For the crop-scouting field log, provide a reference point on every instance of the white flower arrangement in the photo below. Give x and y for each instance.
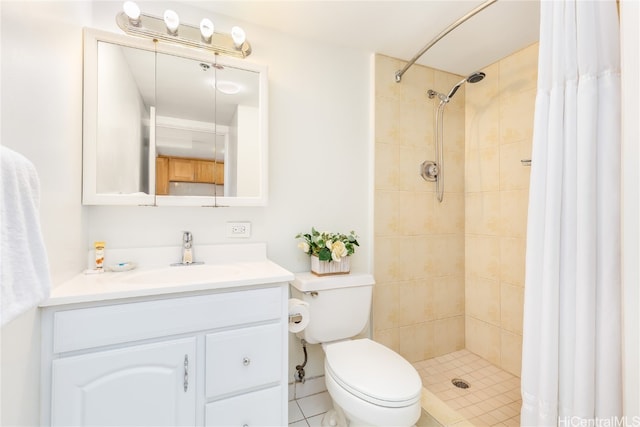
(328, 246)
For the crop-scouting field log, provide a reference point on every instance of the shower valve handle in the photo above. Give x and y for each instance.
(429, 170)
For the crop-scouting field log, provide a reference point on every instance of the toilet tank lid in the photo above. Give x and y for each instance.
(307, 282)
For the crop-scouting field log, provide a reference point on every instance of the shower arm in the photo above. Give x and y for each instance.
(437, 38)
(455, 88)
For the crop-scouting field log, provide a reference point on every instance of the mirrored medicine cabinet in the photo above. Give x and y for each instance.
(171, 126)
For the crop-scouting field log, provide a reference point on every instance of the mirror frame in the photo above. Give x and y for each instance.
(90, 196)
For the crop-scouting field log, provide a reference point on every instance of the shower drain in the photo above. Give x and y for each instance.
(460, 383)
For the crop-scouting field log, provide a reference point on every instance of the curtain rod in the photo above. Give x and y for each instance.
(437, 38)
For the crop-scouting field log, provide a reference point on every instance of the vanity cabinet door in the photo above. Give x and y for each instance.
(144, 385)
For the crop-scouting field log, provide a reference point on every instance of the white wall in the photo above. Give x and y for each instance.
(41, 75)
(119, 127)
(319, 158)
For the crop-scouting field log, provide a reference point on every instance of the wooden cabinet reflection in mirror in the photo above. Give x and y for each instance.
(171, 169)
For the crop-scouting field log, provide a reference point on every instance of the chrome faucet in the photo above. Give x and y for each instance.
(187, 243)
(187, 251)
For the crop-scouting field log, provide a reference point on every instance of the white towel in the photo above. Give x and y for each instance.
(24, 268)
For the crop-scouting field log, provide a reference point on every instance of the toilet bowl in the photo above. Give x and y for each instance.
(371, 385)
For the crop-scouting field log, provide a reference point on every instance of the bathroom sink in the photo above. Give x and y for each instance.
(183, 275)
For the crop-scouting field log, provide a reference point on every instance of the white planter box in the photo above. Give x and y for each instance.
(325, 268)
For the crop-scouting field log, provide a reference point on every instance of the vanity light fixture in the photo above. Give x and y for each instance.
(169, 29)
(206, 30)
(132, 11)
(238, 35)
(172, 21)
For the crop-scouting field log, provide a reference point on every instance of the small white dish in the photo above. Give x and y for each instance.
(123, 266)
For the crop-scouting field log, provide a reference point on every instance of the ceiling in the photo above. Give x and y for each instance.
(399, 28)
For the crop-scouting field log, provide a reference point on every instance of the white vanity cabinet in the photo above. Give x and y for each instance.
(215, 358)
(137, 385)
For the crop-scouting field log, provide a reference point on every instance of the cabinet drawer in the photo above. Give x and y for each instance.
(243, 358)
(112, 324)
(260, 408)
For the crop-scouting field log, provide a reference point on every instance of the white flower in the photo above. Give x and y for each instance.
(327, 246)
(304, 246)
(338, 250)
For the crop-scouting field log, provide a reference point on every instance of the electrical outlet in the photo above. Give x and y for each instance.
(239, 229)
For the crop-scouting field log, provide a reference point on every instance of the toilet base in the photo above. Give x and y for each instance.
(348, 407)
(334, 418)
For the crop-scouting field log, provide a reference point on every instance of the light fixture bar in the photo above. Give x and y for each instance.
(189, 35)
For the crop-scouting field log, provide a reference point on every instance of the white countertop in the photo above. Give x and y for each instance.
(226, 267)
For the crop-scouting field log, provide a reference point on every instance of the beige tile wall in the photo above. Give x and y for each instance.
(451, 274)
(418, 305)
(499, 130)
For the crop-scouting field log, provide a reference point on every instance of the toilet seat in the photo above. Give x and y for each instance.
(373, 373)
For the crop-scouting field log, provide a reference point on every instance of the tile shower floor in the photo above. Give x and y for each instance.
(493, 397)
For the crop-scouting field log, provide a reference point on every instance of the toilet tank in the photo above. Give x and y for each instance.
(339, 306)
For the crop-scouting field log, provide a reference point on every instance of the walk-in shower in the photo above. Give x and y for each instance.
(434, 170)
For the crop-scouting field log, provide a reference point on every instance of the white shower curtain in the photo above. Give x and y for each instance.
(571, 352)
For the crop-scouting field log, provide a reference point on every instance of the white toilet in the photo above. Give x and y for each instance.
(370, 384)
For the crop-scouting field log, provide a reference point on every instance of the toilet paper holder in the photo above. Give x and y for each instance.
(298, 315)
(295, 318)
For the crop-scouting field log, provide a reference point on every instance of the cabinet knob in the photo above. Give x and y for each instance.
(245, 425)
(246, 361)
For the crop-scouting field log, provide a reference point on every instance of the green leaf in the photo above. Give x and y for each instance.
(324, 254)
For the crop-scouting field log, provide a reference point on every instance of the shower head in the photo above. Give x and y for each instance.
(476, 77)
(473, 78)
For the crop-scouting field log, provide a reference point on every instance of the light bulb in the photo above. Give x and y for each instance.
(206, 29)
(172, 21)
(228, 88)
(238, 36)
(132, 11)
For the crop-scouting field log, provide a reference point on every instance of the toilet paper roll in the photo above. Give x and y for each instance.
(298, 308)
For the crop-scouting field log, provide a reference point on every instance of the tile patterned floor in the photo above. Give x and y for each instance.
(308, 403)
(308, 411)
(493, 398)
